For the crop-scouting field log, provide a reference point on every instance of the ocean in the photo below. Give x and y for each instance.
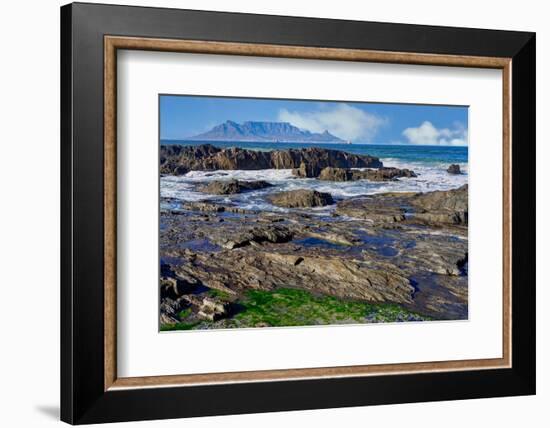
(429, 162)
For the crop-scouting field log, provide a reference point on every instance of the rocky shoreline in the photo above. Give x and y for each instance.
(376, 258)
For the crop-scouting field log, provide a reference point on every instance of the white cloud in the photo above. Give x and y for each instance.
(429, 135)
(344, 121)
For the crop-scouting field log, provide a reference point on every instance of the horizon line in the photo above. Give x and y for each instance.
(187, 139)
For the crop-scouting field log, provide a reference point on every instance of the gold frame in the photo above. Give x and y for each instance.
(113, 43)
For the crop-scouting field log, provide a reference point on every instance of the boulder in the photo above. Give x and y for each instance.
(455, 200)
(336, 174)
(212, 309)
(383, 174)
(454, 169)
(229, 187)
(169, 287)
(301, 198)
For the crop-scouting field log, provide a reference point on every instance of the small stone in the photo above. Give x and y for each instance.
(454, 169)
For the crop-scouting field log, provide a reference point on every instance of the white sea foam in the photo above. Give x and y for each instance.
(261, 174)
(430, 177)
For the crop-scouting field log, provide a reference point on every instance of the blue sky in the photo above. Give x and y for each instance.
(186, 116)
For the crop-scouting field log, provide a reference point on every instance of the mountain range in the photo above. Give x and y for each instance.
(264, 131)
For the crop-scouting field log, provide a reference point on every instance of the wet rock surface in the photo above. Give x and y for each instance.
(404, 249)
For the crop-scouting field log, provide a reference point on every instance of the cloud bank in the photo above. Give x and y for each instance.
(428, 135)
(343, 120)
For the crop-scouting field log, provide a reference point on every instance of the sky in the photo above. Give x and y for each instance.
(375, 123)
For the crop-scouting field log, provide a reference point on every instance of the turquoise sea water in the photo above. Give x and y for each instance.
(424, 154)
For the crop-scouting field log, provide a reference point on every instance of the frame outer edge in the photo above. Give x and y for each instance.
(523, 217)
(296, 31)
(82, 400)
(66, 304)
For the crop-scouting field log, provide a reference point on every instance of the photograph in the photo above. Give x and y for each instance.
(294, 213)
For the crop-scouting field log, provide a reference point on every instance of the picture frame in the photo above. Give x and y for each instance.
(91, 35)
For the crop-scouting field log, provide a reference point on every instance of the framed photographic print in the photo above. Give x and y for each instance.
(266, 213)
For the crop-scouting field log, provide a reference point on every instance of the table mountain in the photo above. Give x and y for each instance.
(264, 131)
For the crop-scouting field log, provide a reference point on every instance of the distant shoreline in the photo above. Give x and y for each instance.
(170, 141)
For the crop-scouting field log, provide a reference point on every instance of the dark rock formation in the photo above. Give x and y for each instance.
(454, 169)
(170, 154)
(169, 287)
(301, 198)
(443, 206)
(178, 160)
(385, 174)
(204, 206)
(258, 235)
(169, 309)
(173, 286)
(447, 207)
(307, 170)
(336, 174)
(381, 174)
(214, 208)
(200, 308)
(229, 187)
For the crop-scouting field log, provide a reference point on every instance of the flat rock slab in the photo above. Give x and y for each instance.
(301, 198)
(439, 207)
(230, 187)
